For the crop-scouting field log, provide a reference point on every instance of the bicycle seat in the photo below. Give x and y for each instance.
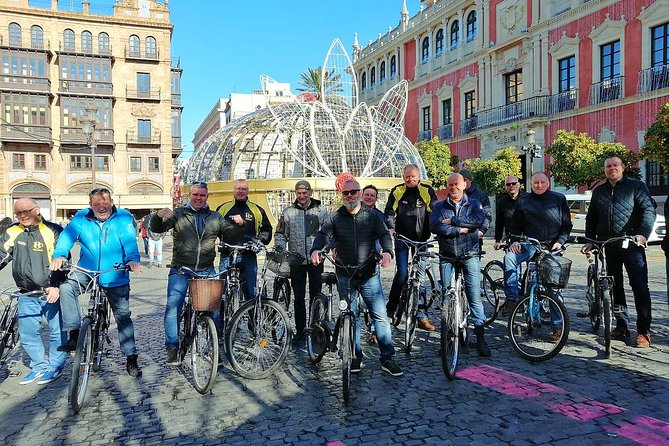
(329, 278)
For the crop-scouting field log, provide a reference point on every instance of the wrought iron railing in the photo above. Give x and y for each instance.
(607, 90)
(653, 78)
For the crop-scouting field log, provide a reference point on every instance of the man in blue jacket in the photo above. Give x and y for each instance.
(106, 235)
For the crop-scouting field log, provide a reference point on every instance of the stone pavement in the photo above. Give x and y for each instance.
(576, 398)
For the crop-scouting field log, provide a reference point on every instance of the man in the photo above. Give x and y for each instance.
(155, 243)
(408, 213)
(456, 222)
(106, 236)
(356, 230)
(474, 192)
(665, 248)
(144, 233)
(257, 227)
(29, 245)
(196, 228)
(623, 206)
(298, 225)
(370, 194)
(543, 215)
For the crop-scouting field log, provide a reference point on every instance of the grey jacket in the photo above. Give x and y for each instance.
(298, 227)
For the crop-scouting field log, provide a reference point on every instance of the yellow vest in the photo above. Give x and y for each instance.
(422, 190)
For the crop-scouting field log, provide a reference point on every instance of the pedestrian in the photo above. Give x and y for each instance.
(356, 229)
(665, 248)
(623, 206)
(28, 244)
(195, 230)
(473, 191)
(298, 225)
(257, 228)
(144, 232)
(106, 236)
(155, 243)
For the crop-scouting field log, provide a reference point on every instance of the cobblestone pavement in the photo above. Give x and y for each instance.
(576, 398)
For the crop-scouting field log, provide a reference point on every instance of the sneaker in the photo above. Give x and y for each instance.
(393, 369)
(556, 335)
(132, 367)
(426, 325)
(620, 333)
(643, 340)
(356, 365)
(48, 377)
(508, 306)
(172, 357)
(30, 377)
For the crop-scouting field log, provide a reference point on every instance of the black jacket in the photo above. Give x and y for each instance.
(544, 217)
(470, 215)
(480, 196)
(260, 230)
(408, 210)
(624, 209)
(504, 214)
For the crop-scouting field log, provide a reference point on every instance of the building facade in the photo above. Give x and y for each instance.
(110, 75)
(484, 74)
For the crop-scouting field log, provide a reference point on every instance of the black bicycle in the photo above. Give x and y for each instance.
(9, 330)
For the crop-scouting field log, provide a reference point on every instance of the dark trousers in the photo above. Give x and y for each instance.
(634, 259)
(298, 279)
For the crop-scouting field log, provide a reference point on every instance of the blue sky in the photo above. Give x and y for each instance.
(226, 45)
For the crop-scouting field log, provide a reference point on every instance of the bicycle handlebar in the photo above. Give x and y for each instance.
(415, 243)
(535, 242)
(41, 294)
(254, 246)
(72, 266)
(196, 274)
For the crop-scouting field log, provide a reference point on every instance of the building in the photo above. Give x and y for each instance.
(110, 74)
(483, 75)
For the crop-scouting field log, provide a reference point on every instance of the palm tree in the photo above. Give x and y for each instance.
(311, 82)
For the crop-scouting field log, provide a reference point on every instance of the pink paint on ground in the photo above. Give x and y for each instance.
(335, 443)
(508, 383)
(584, 410)
(644, 430)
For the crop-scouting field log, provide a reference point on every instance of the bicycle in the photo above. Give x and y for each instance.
(259, 336)
(198, 332)
(9, 333)
(492, 289)
(93, 332)
(538, 325)
(599, 291)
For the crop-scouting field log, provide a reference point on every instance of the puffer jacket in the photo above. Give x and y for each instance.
(504, 214)
(480, 196)
(297, 227)
(665, 240)
(623, 209)
(469, 214)
(544, 217)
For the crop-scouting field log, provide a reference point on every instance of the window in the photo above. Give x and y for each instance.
(40, 161)
(446, 114)
(660, 45)
(15, 34)
(455, 34)
(151, 48)
(154, 164)
(80, 162)
(471, 26)
(425, 50)
(86, 42)
(18, 161)
(372, 77)
(25, 109)
(610, 60)
(567, 69)
(133, 46)
(426, 119)
(382, 73)
(363, 82)
(135, 164)
(513, 85)
(68, 40)
(144, 130)
(103, 43)
(393, 67)
(439, 42)
(656, 175)
(36, 37)
(102, 164)
(470, 104)
(143, 84)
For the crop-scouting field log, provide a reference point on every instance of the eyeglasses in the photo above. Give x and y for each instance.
(200, 184)
(100, 191)
(351, 192)
(26, 212)
(513, 183)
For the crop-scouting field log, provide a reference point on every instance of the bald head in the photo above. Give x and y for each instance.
(27, 212)
(456, 186)
(540, 183)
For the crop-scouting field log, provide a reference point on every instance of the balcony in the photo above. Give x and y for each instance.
(565, 101)
(445, 131)
(86, 87)
(132, 137)
(78, 48)
(25, 84)
(141, 54)
(75, 135)
(176, 141)
(152, 94)
(24, 41)
(425, 135)
(33, 134)
(468, 125)
(527, 108)
(653, 78)
(176, 99)
(607, 90)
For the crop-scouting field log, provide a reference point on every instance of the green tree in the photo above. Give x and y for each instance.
(578, 160)
(657, 139)
(312, 82)
(437, 159)
(491, 174)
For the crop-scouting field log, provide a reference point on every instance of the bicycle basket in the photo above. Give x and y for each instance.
(206, 294)
(554, 270)
(279, 262)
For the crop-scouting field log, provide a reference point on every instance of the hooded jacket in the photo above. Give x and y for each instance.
(297, 227)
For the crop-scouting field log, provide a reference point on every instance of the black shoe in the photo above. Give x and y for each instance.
(481, 345)
(132, 367)
(299, 338)
(172, 356)
(71, 344)
(393, 369)
(508, 306)
(356, 365)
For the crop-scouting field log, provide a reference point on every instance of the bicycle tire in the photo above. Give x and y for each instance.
(259, 338)
(10, 334)
(605, 296)
(99, 342)
(401, 306)
(532, 340)
(185, 329)
(449, 336)
(317, 336)
(346, 348)
(81, 365)
(204, 354)
(431, 288)
(281, 293)
(594, 299)
(411, 311)
(232, 304)
(492, 289)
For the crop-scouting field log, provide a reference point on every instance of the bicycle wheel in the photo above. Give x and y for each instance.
(429, 290)
(81, 365)
(411, 317)
(605, 298)
(317, 335)
(185, 329)
(10, 334)
(99, 341)
(346, 349)
(204, 354)
(259, 338)
(281, 293)
(449, 342)
(591, 293)
(492, 289)
(533, 339)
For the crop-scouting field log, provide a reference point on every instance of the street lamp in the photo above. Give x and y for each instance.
(89, 128)
(534, 151)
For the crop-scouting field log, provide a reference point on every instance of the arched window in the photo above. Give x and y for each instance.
(372, 77)
(133, 46)
(471, 26)
(87, 42)
(393, 67)
(151, 48)
(439, 42)
(15, 34)
(382, 72)
(68, 40)
(455, 34)
(36, 37)
(425, 50)
(363, 82)
(103, 43)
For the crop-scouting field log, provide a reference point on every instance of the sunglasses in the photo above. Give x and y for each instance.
(26, 212)
(200, 184)
(347, 193)
(513, 183)
(100, 191)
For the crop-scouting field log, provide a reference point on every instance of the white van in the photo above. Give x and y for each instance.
(578, 206)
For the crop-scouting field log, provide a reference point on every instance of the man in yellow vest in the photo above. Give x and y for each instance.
(257, 228)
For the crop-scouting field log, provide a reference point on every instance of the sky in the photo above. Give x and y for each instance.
(225, 45)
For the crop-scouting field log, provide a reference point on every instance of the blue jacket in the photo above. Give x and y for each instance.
(470, 215)
(102, 245)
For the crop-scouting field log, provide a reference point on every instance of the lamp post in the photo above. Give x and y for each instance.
(89, 128)
(534, 151)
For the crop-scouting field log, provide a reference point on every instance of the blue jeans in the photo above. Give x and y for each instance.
(634, 260)
(177, 285)
(30, 312)
(471, 273)
(247, 263)
(372, 293)
(402, 252)
(512, 262)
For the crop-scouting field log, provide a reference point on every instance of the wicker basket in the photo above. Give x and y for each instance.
(279, 262)
(206, 294)
(554, 270)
